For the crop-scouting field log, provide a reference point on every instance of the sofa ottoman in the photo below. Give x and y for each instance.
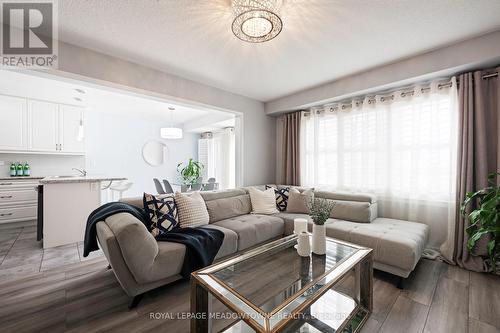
(397, 244)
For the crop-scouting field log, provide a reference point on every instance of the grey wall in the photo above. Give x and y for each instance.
(446, 61)
(258, 128)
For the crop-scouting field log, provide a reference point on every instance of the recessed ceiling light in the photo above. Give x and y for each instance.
(80, 91)
(78, 99)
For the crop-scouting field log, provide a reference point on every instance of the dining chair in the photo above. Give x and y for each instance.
(158, 186)
(196, 187)
(210, 186)
(168, 187)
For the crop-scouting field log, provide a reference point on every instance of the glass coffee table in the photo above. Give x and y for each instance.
(272, 289)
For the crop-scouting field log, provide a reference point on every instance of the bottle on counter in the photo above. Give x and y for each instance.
(13, 169)
(26, 169)
(20, 169)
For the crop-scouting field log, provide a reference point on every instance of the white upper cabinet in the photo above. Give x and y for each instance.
(13, 118)
(70, 120)
(43, 122)
(34, 126)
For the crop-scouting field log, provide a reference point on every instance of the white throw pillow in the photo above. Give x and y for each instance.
(191, 209)
(263, 202)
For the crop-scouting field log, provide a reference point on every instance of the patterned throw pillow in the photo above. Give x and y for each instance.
(192, 210)
(162, 212)
(281, 197)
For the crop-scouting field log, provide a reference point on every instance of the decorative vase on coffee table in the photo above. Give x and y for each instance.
(319, 239)
(303, 245)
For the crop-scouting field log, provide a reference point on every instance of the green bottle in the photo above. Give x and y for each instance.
(20, 168)
(26, 171)
(13, 169)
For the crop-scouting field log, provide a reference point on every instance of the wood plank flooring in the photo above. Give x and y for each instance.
(68, 294)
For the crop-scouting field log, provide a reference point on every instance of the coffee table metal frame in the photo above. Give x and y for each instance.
(204, 286)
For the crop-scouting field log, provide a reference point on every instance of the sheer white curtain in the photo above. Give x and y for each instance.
(218, 156)
(401, 147)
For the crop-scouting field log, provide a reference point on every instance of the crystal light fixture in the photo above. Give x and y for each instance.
(256, 21)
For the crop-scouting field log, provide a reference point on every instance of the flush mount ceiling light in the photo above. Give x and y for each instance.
(171, 132)
(256, 21)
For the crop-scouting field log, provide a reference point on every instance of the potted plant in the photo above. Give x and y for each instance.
(319, 210)
(485, 220)
(190, 172)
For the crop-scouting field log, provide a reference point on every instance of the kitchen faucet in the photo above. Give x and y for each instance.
(83, 172)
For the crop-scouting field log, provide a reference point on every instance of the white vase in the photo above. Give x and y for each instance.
(303, 245)
(319, 239)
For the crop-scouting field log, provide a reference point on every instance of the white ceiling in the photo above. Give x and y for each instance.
(15, 83)
(322, 40)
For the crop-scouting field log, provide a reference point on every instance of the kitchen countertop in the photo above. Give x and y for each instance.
(78, 179)
(21, 177)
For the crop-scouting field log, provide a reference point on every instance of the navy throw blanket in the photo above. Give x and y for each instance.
(202, 244)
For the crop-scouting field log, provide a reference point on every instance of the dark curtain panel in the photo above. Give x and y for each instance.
(478, 156)
(290, 151)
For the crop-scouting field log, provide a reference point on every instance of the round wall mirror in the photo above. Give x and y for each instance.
(155, 153)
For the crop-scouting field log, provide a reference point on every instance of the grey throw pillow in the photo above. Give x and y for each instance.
(298, 202)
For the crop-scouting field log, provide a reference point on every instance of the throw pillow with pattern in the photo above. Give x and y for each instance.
(162, 212)
(192, 210)
(281, 197)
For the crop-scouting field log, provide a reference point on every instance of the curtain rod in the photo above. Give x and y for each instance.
(487, 76)
(388, 96)
(346, 105)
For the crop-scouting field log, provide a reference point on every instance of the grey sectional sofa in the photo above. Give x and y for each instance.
(140, 263)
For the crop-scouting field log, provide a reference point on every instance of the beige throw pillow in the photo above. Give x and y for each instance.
(297, 201)
(263, 202)
(191, 209)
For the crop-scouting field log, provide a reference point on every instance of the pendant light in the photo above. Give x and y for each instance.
(171, 132)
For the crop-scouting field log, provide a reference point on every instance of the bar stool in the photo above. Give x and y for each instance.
(120, 188)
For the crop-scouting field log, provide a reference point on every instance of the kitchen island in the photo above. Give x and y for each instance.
(66, 202)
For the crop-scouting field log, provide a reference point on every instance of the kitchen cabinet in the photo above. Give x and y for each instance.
(40, 127)
(18, 200)
(43, 126)
(13, 121)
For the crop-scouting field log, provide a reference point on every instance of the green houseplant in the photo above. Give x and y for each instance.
(320, 210)
(190, 171)
(485, 220)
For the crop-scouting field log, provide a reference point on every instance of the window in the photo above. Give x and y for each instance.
(402, 148)
(217, 154)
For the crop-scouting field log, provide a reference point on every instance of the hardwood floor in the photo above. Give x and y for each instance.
(72, 295)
